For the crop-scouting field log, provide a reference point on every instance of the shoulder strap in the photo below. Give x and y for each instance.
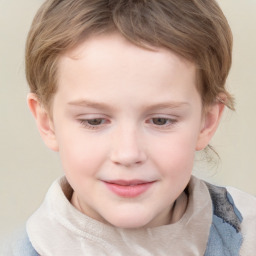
(225, 237)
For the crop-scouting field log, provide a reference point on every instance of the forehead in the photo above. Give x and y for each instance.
(98, 48)
(110, 62)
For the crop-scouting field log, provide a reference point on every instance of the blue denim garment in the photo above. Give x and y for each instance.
(225, 237)
(23, 246)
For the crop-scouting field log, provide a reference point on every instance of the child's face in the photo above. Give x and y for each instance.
(126, 122)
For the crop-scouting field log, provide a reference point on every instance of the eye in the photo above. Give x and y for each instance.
(93, 123)
(160, 121)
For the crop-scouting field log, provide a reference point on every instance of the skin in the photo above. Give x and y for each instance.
(126, 113)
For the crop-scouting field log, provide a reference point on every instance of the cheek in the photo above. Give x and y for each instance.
(81, 155)
(175, 154)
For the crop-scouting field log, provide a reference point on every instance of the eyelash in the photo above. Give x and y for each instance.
(167, 122)
(85, 123)
(100, 122)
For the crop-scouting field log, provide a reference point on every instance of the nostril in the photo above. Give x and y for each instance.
(128, 159)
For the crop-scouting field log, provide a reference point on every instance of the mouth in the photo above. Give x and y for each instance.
(128, 188)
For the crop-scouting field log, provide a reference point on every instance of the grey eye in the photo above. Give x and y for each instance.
(96, 121)
(160, 121)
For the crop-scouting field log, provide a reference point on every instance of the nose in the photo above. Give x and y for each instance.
(127, 148)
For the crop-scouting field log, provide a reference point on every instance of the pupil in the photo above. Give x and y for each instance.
(159, 121)
(96, 121)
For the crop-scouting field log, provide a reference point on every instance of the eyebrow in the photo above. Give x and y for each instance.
(102, 105)
(89, 104)
(168, 105)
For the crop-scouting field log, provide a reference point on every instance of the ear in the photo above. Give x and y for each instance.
(43, 121)
(210, 123)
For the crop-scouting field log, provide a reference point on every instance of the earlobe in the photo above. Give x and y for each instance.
(210, 124)
(43, 121)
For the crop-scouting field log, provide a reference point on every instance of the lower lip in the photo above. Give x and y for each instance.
(129, 191)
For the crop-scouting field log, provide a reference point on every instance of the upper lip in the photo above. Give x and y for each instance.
(128, 182)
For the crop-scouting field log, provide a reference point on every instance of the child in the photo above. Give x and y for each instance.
(127, 91)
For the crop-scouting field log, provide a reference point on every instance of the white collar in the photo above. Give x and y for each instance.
(57, 228)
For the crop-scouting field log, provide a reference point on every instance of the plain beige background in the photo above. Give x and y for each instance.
(27, 167)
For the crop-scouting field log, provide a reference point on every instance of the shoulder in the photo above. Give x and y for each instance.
(18, 244)
(245, 202)
(238, 209)
(247, 206)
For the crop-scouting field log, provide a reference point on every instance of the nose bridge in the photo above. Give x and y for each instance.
(127, 148)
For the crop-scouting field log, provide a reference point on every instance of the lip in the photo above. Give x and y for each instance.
(128, 188)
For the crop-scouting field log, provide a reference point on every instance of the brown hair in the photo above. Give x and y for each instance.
(194, 29)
